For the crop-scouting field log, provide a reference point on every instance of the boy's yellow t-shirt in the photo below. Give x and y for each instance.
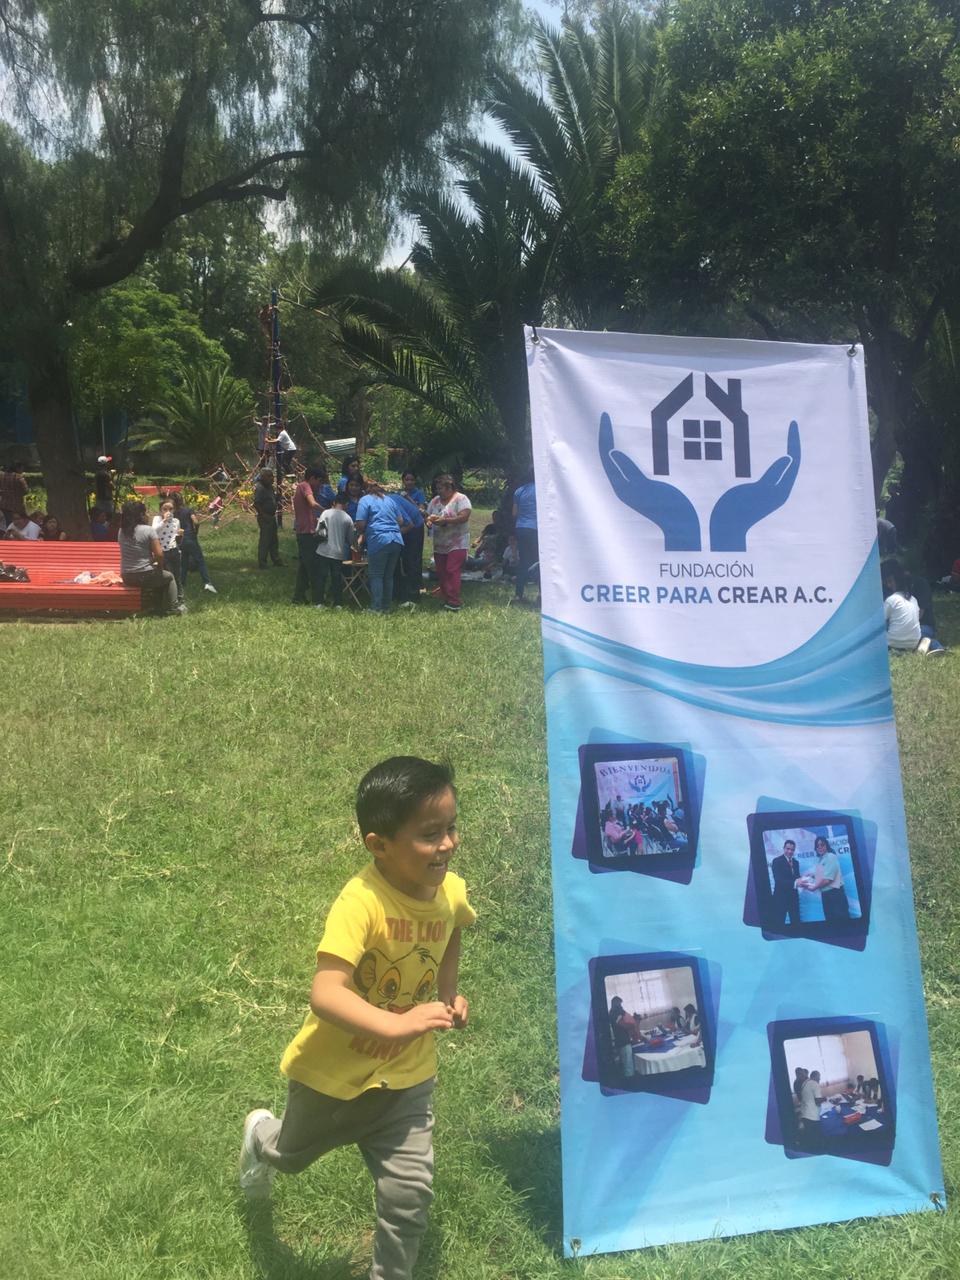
(395, 944)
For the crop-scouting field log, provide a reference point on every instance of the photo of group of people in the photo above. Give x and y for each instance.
(636, 804)
(808, 874)
(834, 1095)
(650, 1023)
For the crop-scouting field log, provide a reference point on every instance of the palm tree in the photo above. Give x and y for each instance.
(520, 243)
(204, 417)
(451, 331)
(601, 88)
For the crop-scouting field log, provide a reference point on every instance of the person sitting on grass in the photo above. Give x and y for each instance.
(361, 1070)
(141, 561)
(951, 580)
(901, 613)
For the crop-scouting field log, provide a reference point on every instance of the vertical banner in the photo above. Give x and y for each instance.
(743, 1043)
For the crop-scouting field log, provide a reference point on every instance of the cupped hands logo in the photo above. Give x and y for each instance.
(738, 509)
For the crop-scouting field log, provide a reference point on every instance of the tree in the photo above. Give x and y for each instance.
(601, 88)
(803, 166)
(128, 346)
(931, 449)
(203, 418)
(450, 332)
(130, 118)
(521, 243)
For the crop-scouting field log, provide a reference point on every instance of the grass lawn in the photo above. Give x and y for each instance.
(177, 818)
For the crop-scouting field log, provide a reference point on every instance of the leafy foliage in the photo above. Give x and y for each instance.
(204, 418)
(123, 119)
(517, 244)
(130, 343)
(803, 165)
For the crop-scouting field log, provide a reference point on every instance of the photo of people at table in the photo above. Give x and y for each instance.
(653, 1023)
(641, 807)
(811, 876)
(835, 1089)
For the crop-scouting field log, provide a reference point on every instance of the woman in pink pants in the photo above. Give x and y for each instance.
(448, 517)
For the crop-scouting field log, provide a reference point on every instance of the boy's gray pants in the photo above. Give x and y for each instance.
(394, 1130)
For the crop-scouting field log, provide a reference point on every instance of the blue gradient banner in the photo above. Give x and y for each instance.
(743, 1042)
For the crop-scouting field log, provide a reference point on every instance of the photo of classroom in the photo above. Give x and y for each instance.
(654, 1022)
(835, 1090)
(641, 807)
(811, 875)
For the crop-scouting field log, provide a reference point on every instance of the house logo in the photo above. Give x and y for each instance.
(703, 439)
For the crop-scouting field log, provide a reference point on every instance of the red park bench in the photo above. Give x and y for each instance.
(52, 566)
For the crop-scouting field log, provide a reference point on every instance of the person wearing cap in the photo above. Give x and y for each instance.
(103, 484)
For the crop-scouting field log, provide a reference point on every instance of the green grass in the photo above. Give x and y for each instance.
(177, 819)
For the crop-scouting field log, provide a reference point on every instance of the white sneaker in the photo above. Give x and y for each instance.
(256, 1176)
(208, 586)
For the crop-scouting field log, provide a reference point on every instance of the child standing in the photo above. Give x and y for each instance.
(335, 538)
(361, 1069)
(167, 528)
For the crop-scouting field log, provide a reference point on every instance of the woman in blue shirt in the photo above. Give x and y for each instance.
(525, 527)
(349, 470)
(413, 491)
(378, 522)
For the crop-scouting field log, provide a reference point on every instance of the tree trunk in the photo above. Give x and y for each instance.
(63, 472)
(883, 394)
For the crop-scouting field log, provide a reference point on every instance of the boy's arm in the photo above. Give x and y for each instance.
(332, 1000)
(447, 977)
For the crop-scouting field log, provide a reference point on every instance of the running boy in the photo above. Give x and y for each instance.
(361, 1069)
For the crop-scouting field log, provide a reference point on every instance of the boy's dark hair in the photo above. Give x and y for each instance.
(393, 790)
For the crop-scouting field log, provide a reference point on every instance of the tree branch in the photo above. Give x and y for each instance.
(169, 204)
(148, 232)
(236, 181)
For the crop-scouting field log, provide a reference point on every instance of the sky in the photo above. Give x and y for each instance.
(490, 131)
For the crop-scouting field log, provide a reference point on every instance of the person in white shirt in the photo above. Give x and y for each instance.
(286, 451)
(167, 528)
(23, 528)
(901, 613)
(336, 532)
(810, 1100)
(448, 517)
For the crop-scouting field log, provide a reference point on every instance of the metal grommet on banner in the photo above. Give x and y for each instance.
(852, 350)
(938, 1202)
(536, 337)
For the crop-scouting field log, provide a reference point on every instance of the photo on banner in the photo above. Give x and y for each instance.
(653, 1025)
(640, 811)
(833, 1089)
(809, 875)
